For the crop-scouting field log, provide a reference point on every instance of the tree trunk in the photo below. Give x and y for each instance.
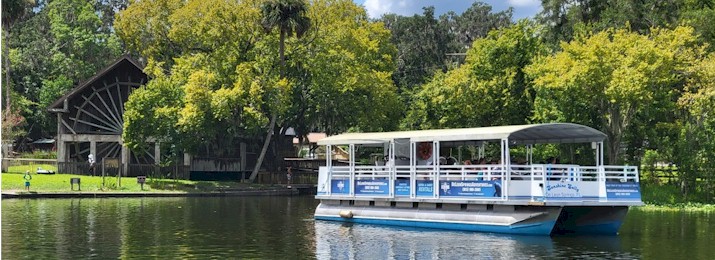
(6, 54)
(259, 162)
(281, 51)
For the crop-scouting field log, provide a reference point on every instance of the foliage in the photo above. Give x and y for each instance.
(12, 123)
(59, 44)
(605, 79)
(428, 44)
(219, 93)
(699, 14)
(695, 151)
(491, 88)
(566, 19)
(39, 154)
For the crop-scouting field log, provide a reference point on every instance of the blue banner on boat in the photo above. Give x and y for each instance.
(372, 187)
(340, 186)
(484, 189)
(623, 190)
(402, 187)
(424, 188)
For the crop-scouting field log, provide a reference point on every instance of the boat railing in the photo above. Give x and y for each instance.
(540, 182)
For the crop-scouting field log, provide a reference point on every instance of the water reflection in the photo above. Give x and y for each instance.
(348, 241)
(248, 227)
(283, 228)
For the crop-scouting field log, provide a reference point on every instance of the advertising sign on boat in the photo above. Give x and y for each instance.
(425, 188)
(469, 189)
(402, 187)
(372, 187)
(623, 190)
(340, 186)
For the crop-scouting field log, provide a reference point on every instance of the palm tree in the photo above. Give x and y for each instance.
(289, 17)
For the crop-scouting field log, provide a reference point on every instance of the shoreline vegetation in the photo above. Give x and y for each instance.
(657, 197)
(60, 183)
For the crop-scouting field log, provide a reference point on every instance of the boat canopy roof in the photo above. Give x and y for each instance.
(517, 134)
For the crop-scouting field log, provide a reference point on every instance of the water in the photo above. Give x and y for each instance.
(283, 228)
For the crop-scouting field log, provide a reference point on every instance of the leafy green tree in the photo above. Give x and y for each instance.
(13, 12)
(423, 44)
(474, 23)
(699, 14)
(288, 16)
(227, 72)
(565, 19)
(606, 79)
(61, 44)
(490, 88)
(694, 148)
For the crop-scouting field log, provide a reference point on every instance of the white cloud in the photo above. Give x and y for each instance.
(376, 8)
(524, 3)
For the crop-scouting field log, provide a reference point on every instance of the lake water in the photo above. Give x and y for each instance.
(283, 228)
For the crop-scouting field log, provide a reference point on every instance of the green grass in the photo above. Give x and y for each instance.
(686, 207)
(61, 183)
(32, 168)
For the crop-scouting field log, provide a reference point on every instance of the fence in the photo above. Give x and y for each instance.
(172, 171)
(20, 165)
(282, 178)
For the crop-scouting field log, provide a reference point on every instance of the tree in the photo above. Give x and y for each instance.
(288, 16)
(565, 19)
(58, 45)
(475, 23)
(694, 148)
(490, 88)
(605, 79)
(699, 14)
(13, 11)
(422, 43)
(226, 72)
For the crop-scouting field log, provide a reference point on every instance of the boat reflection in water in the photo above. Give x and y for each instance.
(359, 241)
(335, 240)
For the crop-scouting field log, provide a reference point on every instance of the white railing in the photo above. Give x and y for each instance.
(539, 182)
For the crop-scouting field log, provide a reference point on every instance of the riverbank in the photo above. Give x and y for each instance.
(667, 197)
(59, 186)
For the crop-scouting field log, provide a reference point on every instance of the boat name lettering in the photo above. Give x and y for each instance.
(561, 185)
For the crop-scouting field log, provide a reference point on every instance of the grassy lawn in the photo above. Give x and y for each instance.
(32, 168)
(61, 183)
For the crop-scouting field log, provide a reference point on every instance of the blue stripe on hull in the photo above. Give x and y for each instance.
(541, 228)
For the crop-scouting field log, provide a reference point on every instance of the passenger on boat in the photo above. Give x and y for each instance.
(550, 169)
(496, 169)
(496, 172)
(389, 163)
(482, 168)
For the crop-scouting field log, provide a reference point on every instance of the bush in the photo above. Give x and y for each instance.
(39, 154)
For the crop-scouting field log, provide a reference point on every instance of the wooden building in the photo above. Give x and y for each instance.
(90, 121)
(90, 117)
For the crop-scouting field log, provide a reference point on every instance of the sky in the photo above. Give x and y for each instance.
(376, 8)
